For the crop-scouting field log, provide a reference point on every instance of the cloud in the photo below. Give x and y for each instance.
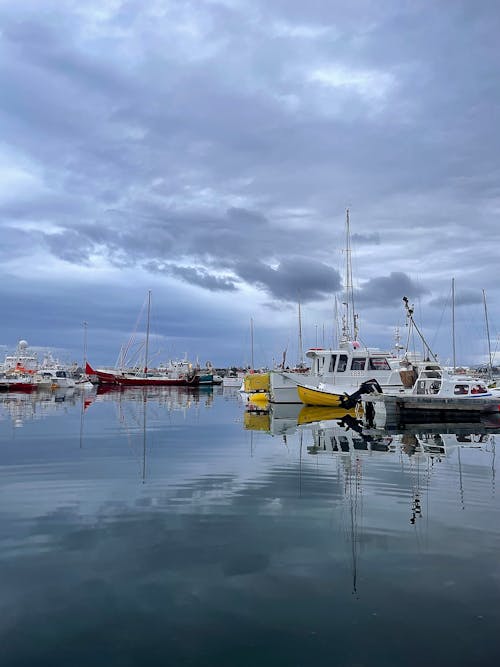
(464, 297)
(196, 276)
(388, 290)
(295, 279)
(217, 146)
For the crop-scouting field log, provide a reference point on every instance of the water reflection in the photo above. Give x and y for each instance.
(21, 407)
(175, 398)
(173, 524)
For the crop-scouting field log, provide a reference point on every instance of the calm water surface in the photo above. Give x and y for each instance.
(171, 527)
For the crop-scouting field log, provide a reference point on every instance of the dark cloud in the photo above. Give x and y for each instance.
(197, 276)
(296, 279)
(218, 145)
(388, 290)
(463, 297)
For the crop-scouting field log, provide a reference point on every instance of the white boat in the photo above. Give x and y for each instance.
(342, 370)
(434, 393)
(53, 378)
(23, 360)
(233, 379)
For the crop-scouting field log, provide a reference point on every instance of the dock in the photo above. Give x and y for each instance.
(382, 409)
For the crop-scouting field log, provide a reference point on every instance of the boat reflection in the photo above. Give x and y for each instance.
(23, 407)
(170, 397)
(335, 431)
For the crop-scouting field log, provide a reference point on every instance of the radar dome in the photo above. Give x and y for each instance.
(23, 344)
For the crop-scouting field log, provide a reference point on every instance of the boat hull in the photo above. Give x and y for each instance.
(124, 380)
(318, 397)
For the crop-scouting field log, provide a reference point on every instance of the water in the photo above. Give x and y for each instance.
(170, 527)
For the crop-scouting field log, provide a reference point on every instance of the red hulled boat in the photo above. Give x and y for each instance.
(142, 379)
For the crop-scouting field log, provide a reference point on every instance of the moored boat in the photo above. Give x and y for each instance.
(142, 379)
(53, 378)
(319, 396)
(17, 382)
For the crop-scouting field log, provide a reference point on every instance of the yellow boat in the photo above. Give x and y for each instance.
(316, 413)
(317, 396)
(256, 382)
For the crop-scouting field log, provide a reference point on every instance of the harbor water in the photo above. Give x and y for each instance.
(175, 527)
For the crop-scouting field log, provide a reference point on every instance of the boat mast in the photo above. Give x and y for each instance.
(350, 325)
(301, 351)
(251, 342)
(488, 335)
(453, 321)
(147, 334)
(336, 328)
(85, 325)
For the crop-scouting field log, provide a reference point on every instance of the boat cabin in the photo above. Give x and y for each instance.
(433, 381)
(353, 361)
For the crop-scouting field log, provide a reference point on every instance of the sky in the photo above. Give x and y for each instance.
(207, 150)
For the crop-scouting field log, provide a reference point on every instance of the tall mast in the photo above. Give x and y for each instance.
(147, 333)
(85, 325)
(350, 325)
(488, 334)
(453, 321)
(251, 341)
(336, 328)
(301, 351)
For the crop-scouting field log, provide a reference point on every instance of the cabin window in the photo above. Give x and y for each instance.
(378, 364)
(60, 374)
(460, 389)
(421, 387)
(342, 365)
(358, 364)
(333, 359)
(478, 389)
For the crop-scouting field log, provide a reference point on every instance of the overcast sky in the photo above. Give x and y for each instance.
(207, 151)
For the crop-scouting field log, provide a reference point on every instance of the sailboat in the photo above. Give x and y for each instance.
(175, 375)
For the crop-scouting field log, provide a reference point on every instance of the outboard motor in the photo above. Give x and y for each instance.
(349, 401)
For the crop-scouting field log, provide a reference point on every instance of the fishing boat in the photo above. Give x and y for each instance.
(17, 382)
(22, 361)
(435, 391)
(345, 367)
(53, 378)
